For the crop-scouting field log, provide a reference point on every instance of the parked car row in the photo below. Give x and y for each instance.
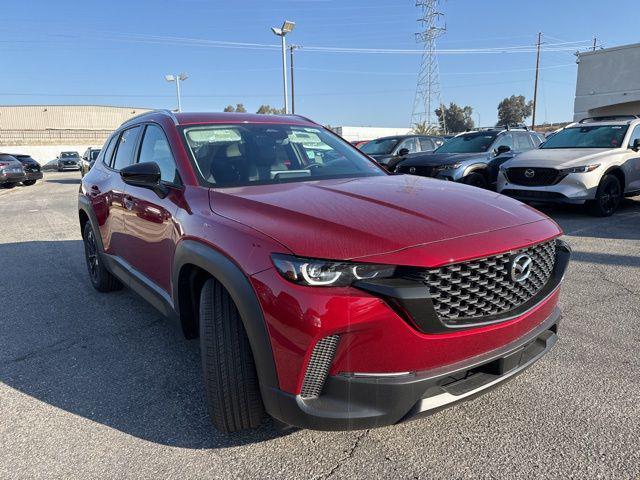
(594, 162)
(16, 169)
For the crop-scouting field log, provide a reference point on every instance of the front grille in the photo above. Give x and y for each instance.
(319, 365)
(417, 170)
(473, 290)
(533, 177)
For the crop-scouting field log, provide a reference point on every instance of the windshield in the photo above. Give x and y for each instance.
(234, 155)
(70, 155)
(382, 146)
(475, 142)
(594, 136)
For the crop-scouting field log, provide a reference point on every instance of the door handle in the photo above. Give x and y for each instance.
(128, 202)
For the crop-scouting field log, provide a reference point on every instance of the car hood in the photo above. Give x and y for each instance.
(442, 158)
(350, 218)
(560, 157)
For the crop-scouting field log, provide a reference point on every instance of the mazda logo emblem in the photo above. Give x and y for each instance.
(412, 170)
(520, 268)
(529, 173)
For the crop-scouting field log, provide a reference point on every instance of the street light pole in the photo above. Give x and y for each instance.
(535, 85)
(177, 78)
(287, 27)
(293, 91)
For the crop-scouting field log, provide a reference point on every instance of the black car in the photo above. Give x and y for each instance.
(69, 161)
(389, 151)
(88, 159)
(32, 169)
(472, 157)
(11, 171)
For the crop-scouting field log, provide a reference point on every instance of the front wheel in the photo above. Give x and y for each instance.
(475, 180)
(230, 378)
(608, 197)
(28, 183)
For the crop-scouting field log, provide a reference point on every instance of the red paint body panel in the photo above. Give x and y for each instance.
(346, 219)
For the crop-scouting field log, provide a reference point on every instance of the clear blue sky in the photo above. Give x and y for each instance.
(117, 52)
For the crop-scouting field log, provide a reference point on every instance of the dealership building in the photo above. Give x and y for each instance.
(42, 131)
(608, 82)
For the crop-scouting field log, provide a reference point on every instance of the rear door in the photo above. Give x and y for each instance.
(106, 190)
(632, 165)
(152, 230)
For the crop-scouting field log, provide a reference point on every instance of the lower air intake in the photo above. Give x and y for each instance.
(319, 366)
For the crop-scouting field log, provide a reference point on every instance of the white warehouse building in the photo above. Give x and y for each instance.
(608, 82)
(353, 134)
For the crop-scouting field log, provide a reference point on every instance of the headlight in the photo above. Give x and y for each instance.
(452, 166)
(327, 273)
(583, 169)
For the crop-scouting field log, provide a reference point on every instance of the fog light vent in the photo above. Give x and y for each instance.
(319, 366)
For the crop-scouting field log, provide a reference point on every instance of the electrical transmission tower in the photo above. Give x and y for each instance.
(428, 89)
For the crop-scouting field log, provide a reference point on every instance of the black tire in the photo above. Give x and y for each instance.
(101, 279)
(230, 378)
(475, 179)
(59, 169)
(608, 197)
(28, 183)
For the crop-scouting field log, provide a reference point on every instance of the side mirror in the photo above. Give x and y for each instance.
(636, 144)
(502, 149)
(144, 175)
(403, 152)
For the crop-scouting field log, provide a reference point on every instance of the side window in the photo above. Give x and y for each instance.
(522, 141)
(107, 151)
(505, 139)
(426, 144)
(409, 144)
(126, 147)
(634, 135)
(536, 139)
(155, 148)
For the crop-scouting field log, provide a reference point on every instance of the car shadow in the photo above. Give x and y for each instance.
(64, 181)
(109, 358)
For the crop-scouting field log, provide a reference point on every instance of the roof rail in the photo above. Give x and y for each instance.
(605, 118)
(163, 111)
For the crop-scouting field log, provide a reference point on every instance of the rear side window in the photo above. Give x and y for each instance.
(126, 148)
(426, 144)
(522, 141)
(155, 148)
(108, 150)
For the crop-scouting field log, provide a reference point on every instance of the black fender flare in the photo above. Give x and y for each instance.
(474, 168)
(84, 205)
(224, 270)
(611, 169)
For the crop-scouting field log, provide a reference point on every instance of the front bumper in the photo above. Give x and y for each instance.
(575, 188)
(351, 402)
(69, 167)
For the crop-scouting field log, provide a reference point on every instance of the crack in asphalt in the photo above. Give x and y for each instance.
(349, 454)
(67, 343)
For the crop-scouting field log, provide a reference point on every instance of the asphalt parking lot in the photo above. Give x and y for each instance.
(99, 385)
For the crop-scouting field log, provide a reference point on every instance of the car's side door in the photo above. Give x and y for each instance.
(152, 229)
(631, 167)
(105, 189)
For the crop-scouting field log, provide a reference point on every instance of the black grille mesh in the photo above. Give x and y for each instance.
(482, 288)
(538, 177)
(319, 366)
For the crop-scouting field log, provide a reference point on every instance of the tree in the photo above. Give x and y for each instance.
(239, 108)
(513, 110)
(455, 118)
(268, 109)
(423, 128)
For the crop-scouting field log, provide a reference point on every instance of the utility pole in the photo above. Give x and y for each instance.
(428, 85)
(595, 42)
(293, 91)
(535, 85)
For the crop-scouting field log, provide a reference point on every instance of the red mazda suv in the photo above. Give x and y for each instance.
(325, 291)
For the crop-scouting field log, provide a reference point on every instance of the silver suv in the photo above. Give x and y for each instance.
(595, 161)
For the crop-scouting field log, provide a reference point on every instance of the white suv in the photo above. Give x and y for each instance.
(594, 161)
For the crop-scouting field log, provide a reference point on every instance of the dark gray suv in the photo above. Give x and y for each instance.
(472, 157)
